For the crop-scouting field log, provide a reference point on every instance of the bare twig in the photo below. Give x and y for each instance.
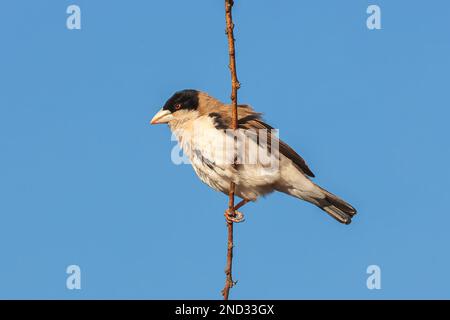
(229, 283)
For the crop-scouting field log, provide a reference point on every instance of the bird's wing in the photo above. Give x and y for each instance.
(249, 119)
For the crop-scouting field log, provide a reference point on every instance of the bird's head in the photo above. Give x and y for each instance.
(178, 106)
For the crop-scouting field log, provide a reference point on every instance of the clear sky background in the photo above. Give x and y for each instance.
(85, 180)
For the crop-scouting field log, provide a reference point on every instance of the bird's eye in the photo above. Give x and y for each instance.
(178, 106)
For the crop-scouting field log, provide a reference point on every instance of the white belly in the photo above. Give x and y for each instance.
(211, 154)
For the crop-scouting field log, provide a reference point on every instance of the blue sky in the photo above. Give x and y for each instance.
(85, 180)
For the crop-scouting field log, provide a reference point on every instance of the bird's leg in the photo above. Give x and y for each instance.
(234, 215)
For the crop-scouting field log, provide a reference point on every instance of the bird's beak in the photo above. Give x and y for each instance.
(162, 116)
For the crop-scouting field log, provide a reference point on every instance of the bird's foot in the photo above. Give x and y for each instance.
(235, 216)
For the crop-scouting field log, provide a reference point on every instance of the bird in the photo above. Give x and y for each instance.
(203, 126)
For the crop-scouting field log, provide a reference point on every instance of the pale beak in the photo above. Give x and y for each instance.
(162, 116)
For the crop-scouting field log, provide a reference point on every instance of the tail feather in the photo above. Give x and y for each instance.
(328, 202)
(336, 207)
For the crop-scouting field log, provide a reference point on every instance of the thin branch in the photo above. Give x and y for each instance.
(229, 283)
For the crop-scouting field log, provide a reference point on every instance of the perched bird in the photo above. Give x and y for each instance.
(201, 124)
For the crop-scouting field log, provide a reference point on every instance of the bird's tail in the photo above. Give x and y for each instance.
(328, 202)
(336, 207)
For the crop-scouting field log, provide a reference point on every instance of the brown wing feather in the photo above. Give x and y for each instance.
(299, 162)
(249, 119)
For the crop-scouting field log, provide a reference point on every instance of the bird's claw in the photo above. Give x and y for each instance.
(236, 218)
